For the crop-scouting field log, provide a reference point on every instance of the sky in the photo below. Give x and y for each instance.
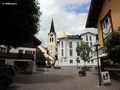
(67, 15)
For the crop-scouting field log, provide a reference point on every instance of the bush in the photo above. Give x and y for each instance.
(5, 79)
(112, 45)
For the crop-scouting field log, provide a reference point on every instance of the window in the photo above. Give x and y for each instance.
(21, 51)
(78, 61)
(71, 61)
(78, 54)
(77, 43)
(29, 52)
(91, 53)
(62, 44)
(62, 52)
(92, 61)
(91, 44)
(52, 39)
(90, 37)
(70, 52)
(70, 44)
(88, 61)
(106, 25)
(86, 37)
(87, 43)
(2, 49)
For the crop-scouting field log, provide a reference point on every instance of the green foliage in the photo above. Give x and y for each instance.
(40, 58)
(83, 50)
(18, 23)
(112, 45)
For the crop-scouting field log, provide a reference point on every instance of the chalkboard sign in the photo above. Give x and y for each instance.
(105, 77)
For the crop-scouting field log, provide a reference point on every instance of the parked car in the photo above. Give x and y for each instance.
(9, 69)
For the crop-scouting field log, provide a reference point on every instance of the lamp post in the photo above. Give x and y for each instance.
(96, 45)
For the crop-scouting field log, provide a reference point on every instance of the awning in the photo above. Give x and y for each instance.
(99, 56)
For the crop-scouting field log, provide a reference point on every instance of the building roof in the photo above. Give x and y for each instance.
(32, 44)
(52, 29)
(88, 33)
(74, 37)
(93, 14)
(63, 35)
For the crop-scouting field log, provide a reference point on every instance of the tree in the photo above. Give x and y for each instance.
(19, 21)
(83, 50)
(112, 45)
(40, 58)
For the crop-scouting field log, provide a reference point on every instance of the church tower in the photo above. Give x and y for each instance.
(52, 40)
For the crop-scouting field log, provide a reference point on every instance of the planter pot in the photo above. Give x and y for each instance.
(82, 73)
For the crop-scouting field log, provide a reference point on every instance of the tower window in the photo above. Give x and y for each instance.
(52, 39)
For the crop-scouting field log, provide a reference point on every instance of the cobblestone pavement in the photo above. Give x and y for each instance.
(63, 79)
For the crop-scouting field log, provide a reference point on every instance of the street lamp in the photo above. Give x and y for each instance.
(96, 45)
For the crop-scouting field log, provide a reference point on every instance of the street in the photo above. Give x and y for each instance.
(61, 79)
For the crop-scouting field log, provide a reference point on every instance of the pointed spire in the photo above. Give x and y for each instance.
(63, 35)
(52, 27)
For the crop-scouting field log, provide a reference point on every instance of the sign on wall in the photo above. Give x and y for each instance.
(105, 77)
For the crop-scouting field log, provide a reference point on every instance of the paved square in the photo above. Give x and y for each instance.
(61, 79)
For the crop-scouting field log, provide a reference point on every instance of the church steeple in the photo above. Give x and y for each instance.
(52, 40)
(52, 28)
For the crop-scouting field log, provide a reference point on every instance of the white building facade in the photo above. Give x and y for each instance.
(67, 55)
(90, 39)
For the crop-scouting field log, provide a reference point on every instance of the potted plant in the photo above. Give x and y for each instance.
(5, 80)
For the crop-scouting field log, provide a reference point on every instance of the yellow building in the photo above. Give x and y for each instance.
(105, 16)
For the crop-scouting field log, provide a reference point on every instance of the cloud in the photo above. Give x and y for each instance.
(69, 15)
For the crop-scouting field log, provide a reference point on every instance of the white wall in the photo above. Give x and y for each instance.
(65, 60)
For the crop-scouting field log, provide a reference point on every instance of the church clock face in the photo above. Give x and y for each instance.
(51, 35)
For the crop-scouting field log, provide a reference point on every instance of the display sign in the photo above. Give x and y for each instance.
(105, 77)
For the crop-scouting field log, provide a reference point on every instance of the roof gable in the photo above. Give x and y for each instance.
(32, 44)
(93, 14)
